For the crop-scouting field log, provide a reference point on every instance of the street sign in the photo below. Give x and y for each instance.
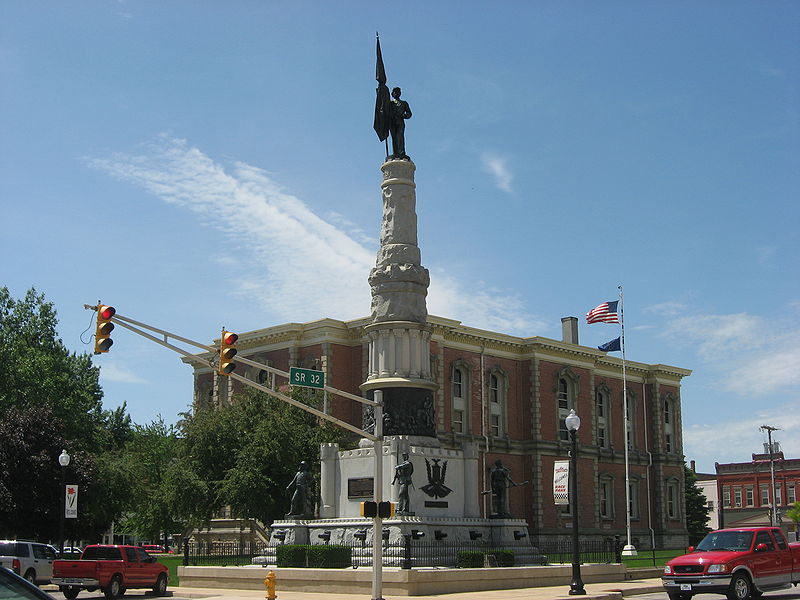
(306, 378)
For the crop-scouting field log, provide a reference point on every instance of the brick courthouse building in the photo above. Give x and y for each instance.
(510, 395)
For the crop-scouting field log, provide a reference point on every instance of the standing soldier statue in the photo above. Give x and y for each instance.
(302, 484)
(390, 112)
(402, 475)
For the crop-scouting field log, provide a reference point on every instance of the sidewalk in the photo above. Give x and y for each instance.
(594, 591)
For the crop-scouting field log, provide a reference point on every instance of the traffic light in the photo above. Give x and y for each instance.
(369, 509)
(384, 510)
(102, 334)
(227, 350)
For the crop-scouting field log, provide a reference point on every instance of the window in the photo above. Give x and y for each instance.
(764, 495)
(672, 500)
(669, 424)
(791, 494)
(633, 503)
(458, 387)
(497, 403)
(566, 389)
(749, 496)
(601, 411)
(726, 497)
(606, 490)
(629, 423)
(779, 539)
(762, 537)
(737, 497)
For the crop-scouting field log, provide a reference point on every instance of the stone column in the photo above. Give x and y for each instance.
(328, 454)
(399, 335)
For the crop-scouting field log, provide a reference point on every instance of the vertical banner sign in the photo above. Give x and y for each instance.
(561, 482)
(71, 502)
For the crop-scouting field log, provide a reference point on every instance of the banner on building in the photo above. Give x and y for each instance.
(561, 482)
(71, 502)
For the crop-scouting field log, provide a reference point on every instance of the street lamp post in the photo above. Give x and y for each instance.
(573, 422)
(63, 460)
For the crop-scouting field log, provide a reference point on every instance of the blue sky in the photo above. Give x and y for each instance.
(200, 164)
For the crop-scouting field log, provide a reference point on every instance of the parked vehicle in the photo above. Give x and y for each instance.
(112, 569)
(739, 563)
(14, 587)
(154, 549)
(31, 560)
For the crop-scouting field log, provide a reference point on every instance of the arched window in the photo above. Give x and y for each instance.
(459, 390)
(566, 392)
(630, 421)
(497, 403)
(602, 408)
(669, 424)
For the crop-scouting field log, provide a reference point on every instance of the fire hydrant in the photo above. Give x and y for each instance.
(270, 582)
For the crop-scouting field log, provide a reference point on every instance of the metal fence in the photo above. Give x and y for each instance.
(411, 553)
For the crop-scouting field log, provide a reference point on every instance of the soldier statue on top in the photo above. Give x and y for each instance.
(390, 113)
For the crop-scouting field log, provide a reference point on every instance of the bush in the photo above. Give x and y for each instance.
(291, 555)
(505, 558)
(476, 559)
(329, 557)
(316, 556)
(469, 559)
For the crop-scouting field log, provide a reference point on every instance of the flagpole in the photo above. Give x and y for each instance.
(629, 549)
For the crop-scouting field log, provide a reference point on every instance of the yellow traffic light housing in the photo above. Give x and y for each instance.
(102, 334)
(369, 509)
(227, 350)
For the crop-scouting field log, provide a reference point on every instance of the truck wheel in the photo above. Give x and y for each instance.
(114, 589)
(160, 588)
(70, 591)
(741, 588)
(30, 575)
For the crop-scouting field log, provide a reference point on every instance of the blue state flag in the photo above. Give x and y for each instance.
(611, 346)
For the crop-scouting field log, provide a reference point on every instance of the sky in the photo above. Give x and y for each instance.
(201, 165)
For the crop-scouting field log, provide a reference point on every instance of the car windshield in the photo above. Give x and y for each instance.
(726, 540)
(101, 553)
(14, 588)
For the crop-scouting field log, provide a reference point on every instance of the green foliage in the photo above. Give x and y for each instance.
(149, 458)
(696, 508)
(50, 400)
(329, 557)
(475, 559)
(469, 559)
(291, 555)
(244, 454)
(794, 513)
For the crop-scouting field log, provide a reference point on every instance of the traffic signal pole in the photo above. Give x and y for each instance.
(376, 437)
(377, 523)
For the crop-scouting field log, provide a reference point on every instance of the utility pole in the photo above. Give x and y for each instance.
(769, 430)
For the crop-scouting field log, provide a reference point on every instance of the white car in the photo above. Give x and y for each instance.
(30, 560)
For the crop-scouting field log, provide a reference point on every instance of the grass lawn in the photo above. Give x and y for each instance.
(645, 558)
(172, 562)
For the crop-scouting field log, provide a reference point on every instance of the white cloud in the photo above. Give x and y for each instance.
(751, 355)
(497, 166)
(289, 249)
(114, 372)
(736, 439)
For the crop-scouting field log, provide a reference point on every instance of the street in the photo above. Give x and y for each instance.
(793, 594)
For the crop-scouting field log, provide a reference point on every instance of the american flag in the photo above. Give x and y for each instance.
(604, 313)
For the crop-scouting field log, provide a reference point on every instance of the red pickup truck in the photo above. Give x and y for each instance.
(739, 563)
(113, 569)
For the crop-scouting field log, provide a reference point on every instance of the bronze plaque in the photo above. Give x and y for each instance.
(360, 488)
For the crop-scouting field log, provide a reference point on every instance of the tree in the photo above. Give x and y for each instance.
(794, 514)
(148, 455)
(43, 372)
(696, 507)
(51, 400)
(244, 454)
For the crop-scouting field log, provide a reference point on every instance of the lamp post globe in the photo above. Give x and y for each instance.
(63, 460)
(573, 423)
